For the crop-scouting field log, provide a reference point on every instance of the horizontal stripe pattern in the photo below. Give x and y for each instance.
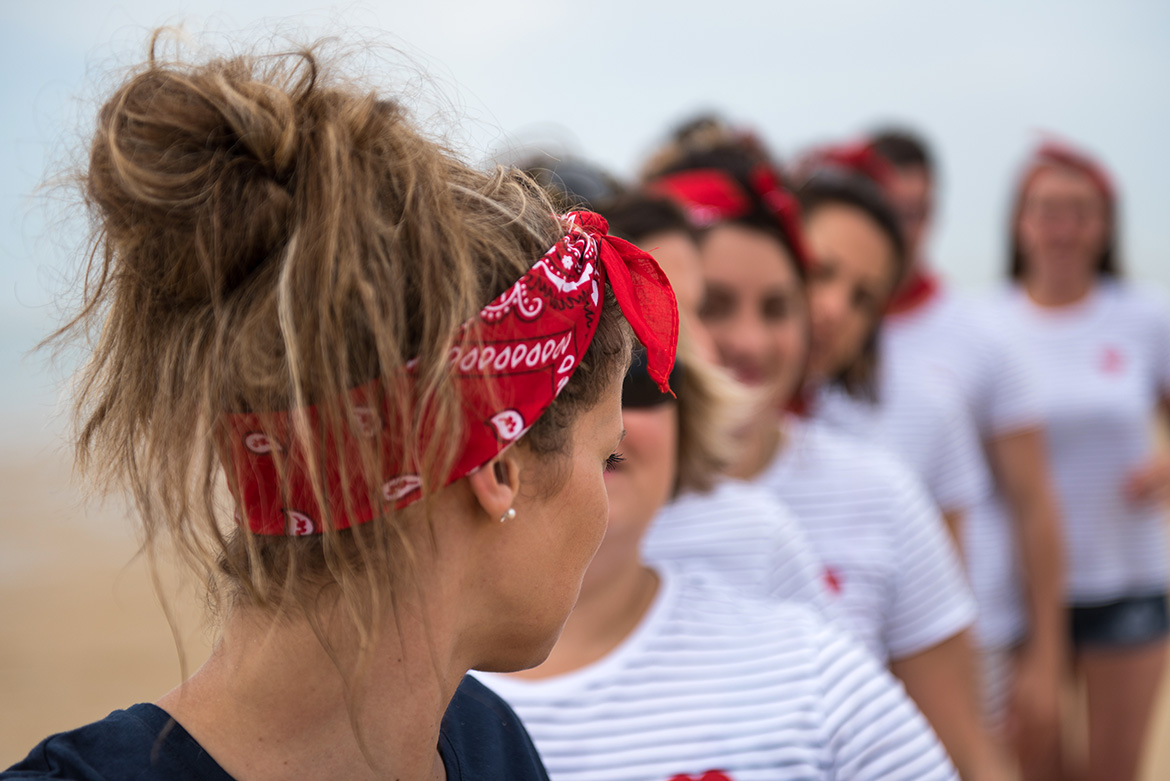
(927, 425)
(1103, 367)
(743, 534)
(953, 339)
(712, 680)
(870, 522)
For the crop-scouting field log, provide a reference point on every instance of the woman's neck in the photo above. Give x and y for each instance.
(271, 703)
(609, 609)
(758, 445)
(1057, 290)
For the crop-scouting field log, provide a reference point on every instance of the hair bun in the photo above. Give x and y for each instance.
(191, 170)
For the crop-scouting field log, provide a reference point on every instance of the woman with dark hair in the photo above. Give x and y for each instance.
(1101, 348)
(757, 545)
(867, 516)
(370, 393)
(857, 258)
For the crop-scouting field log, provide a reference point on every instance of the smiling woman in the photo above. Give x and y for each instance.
(883, 542)
(858, 257)
(283, 269)
(1082, 327)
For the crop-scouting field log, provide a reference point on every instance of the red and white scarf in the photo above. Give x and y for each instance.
(509, 364)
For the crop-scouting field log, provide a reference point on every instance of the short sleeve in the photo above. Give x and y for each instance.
(873, 729)
(1006, 394)
(1010, 400)
(932, 601)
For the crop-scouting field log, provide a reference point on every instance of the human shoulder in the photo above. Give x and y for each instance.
(977, 319)
(141, 742)
(837, 408)
(872, 729)
(1145, 302)
(733, 516)
(1000, 298)
(818, 448)
(867, 725)
(482, 737)
(705, 601)
(729, 494)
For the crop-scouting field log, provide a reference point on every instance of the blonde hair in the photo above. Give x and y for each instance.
(267, 235)
(712, 408)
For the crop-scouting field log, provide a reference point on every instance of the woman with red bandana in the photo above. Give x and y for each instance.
(757, 545)
(399, 375)
(857, 257)
(1101, 349)
(867, 516)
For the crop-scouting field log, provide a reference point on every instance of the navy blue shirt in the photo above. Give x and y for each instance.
(481, 738)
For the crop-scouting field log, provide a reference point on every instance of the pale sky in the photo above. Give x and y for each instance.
(606, 79)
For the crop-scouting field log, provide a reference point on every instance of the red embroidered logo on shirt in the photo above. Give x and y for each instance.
(1112, 360)
(710, 775)
(832, 580)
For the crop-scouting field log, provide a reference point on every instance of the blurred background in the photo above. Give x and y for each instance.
(80, 633)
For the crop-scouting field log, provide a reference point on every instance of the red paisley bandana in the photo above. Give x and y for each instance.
(509, 364)
(710, 196)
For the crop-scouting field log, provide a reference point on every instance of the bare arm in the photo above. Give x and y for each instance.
(942, 681)
(1020, 464)
(954, 521)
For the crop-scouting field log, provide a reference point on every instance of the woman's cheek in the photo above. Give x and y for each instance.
(598, 515)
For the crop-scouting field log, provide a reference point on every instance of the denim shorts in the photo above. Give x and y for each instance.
(1125, 622)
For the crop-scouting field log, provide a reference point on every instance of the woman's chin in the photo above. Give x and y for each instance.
(521, 654)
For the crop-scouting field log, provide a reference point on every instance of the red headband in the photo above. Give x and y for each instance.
(509, 364)
(711, 195)
(858, 158)
(1057, 153)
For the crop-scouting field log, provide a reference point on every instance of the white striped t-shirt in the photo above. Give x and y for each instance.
(925, 424)
(950, 339)
(953, 339)
(1103, 366)
(746, 536)
(870, 522)
(712, 685)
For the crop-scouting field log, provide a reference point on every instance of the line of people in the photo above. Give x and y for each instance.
(852, 341)
(412, 419)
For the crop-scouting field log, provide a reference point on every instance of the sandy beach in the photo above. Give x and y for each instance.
(81, 632)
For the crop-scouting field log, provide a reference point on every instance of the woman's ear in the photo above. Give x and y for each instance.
(496, 484)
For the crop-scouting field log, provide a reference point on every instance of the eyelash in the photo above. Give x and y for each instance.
(613, 460)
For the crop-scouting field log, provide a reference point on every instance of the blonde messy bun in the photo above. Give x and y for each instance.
(268, 235)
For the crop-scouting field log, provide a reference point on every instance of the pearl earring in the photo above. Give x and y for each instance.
(509, 516)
